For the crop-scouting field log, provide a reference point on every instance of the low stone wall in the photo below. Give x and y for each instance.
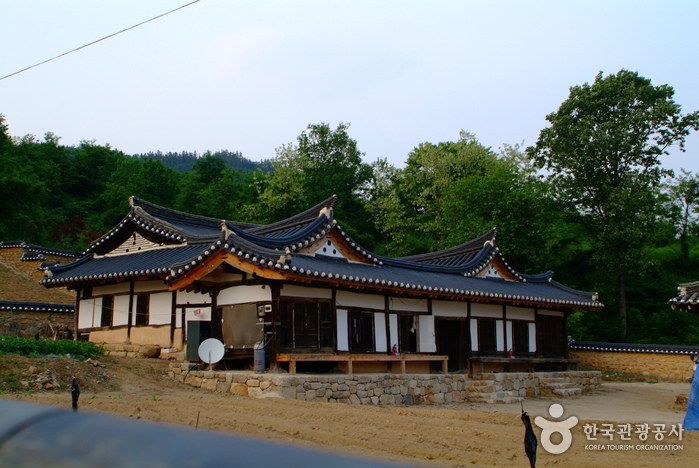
(379, 389)
(655, 366)
(29, 324)
(129, 350)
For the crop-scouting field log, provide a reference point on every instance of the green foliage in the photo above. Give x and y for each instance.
(322, 163)
(185, 161)
(602, 153)
(27, 347)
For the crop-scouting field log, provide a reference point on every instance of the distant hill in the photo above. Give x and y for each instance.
(184, 161)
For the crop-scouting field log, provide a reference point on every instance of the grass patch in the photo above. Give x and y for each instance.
(26, 347)
(613, 376)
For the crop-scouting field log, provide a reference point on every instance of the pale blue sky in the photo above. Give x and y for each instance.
(250, 75)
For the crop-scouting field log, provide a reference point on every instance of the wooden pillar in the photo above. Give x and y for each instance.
(173, 318)
(386, 309)
(506, 345)
(273, 347)
(78, 292)
(130, 315)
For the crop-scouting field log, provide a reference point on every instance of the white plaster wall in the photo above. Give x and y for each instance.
(291, 290)
(226, 277)
(407, 304)
(342, 331)
(449, 309)
(499, 336)
(160, 308)
(426, 334)
(149, 286)
(97, 320)
(532, 337)
(86, 313)
(393, 328)
(474, 335)
(519, 313)
(119, 288)
(184, 297)
(365, 301)
(486, 310)
(380, 332)
(243, 295)
(121, 310)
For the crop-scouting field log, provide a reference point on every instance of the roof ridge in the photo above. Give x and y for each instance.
(471, 246)
(326, 207)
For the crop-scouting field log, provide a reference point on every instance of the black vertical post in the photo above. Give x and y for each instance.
(130, 315)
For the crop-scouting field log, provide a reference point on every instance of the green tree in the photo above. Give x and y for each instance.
(211, 189)
(322, 163)
(452, 192)
(147, 179)
(683, 204)
(602, 153)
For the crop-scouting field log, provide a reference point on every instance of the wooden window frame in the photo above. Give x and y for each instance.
(142, 310)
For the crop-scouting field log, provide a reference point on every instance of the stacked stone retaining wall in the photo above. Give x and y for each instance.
(29, 324)
(380, 389)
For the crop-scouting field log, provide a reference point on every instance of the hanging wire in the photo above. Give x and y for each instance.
(99, 40)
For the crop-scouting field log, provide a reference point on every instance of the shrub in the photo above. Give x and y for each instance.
(27, 347)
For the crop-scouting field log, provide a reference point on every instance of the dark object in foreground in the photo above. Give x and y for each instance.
(89, 440)
(530, 441)
(75, 392)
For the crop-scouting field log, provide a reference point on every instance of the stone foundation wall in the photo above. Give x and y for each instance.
(129, 350)
(28, 324)
(655, 366)
(377, 389)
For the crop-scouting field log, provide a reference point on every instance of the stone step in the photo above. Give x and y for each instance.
(567, 392)
(505, 400)
(479, 396)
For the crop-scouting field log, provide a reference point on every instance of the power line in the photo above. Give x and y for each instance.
(99, 40)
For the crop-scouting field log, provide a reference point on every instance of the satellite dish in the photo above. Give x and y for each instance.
(211, 350)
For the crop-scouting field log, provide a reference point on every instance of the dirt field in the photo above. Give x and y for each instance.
(453, 435)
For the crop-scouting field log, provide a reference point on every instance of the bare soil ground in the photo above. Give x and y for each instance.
(451, 435)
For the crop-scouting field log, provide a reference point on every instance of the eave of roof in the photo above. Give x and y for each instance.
(37, 249)
(284, 250)
(634, 348)
(154, 264)
(36, 307)
(398, 277)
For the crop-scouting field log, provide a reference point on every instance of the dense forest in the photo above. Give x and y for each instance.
(590, 201)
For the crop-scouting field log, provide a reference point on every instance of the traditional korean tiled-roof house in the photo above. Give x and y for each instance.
(312, 296)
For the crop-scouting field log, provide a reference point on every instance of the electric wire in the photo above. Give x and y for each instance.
(99, 40)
